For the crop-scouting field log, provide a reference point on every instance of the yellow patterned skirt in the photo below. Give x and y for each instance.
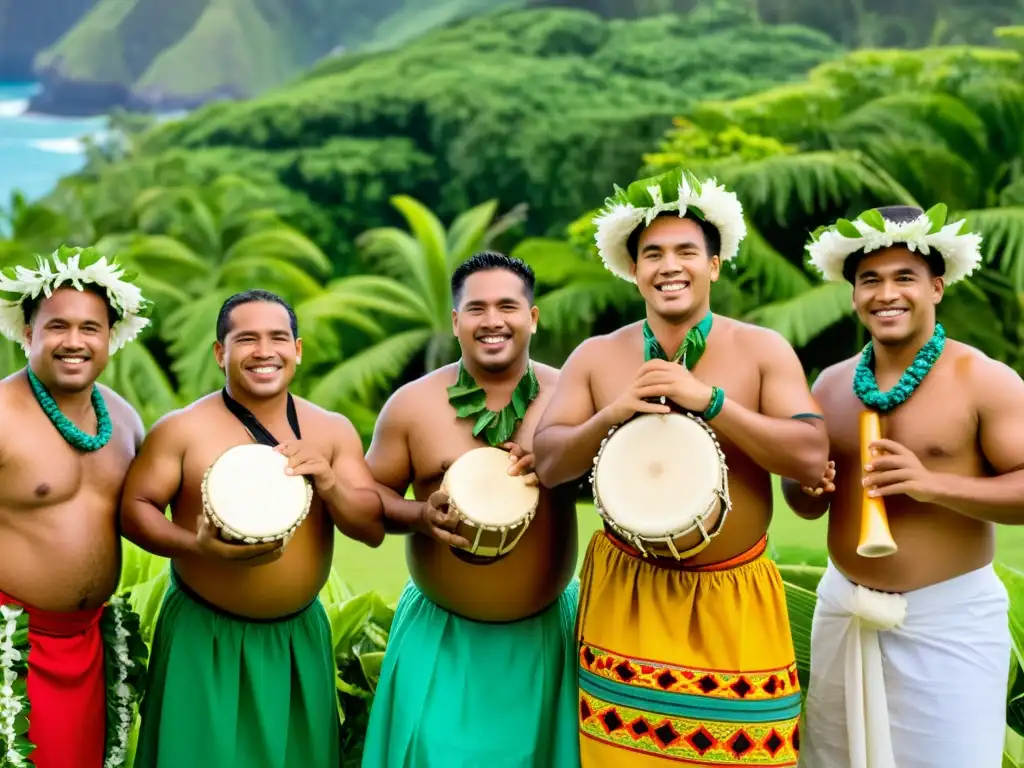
(687, 665)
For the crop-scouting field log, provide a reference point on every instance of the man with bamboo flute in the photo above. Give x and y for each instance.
(687, 660)
(910, 650)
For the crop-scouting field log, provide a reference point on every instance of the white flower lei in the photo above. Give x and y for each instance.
(643, 200)
(117, 753)
(831, 246)
(11, 704)
(124, 297)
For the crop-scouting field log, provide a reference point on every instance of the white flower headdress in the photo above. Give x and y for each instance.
(831, 246)
(675, 190)
(77, 267)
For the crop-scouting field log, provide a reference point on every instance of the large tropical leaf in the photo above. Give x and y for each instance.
(1002, 230)
(805, 316)
(284, 244)
(361, 376)
(139, 379)
(468, 231)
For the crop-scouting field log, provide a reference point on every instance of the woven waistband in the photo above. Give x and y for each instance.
(743, 558)
(56, 623)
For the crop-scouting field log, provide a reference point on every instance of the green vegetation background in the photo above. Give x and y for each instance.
(355, 190)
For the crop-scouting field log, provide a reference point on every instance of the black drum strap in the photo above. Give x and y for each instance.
(260, 433)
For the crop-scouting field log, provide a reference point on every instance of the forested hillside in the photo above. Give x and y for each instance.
(92, 55)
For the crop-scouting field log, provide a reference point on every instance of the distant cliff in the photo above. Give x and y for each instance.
(150, 55)
(30, 26)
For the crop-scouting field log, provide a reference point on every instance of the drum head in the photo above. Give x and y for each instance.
(248, 490)
(483, 490)
(657, 474)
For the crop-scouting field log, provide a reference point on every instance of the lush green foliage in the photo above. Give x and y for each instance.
(542, 107)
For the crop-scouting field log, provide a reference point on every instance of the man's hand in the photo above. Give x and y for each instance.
(660, 378)
(825, 485)
(633, 400)
(898, 471)
(212, 545)
(522, 463)
(306, 459)
(439, 521)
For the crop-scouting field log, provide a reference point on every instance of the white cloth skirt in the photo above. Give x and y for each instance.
(912, 680)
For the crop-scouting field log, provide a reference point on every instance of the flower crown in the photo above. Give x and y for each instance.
(831, 246)
(675, 190)
(76, 266)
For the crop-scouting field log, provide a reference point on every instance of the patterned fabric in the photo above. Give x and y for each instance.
(688, 666)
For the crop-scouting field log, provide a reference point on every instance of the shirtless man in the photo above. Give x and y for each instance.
(930, 621)
(65, 446)
(242, 670)
(486, 640)
(689, 660)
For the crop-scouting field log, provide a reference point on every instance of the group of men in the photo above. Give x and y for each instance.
(512, 661)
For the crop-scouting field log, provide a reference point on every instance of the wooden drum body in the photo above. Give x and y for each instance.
(248, 496)
(661, 483)
(494, 508)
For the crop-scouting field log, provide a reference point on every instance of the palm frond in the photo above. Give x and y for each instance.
(810, 181)
(282, 277)
(12, 358)
(572, 309)
(923, 117)
(374, 293)
(803, 317)
(1002, 231)
(156, 209)
(775, 275)
(429, 231)
(395, 253)
(467, 232)
(190, 332)
(139, 379)
(359, 377)
(284, 244)
(553, 261)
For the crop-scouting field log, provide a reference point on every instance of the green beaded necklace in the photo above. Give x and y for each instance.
(865, 387)
(469, 399)
(75, 437)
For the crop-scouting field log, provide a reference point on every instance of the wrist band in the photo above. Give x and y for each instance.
(715, 405)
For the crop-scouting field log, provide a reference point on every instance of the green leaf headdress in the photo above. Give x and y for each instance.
(76, 267)
(676, 190)
(831, 246)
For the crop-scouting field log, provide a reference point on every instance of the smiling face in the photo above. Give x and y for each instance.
(69, 340)
(673, 268)
(259, 351)
(895, 295)
(494, 319)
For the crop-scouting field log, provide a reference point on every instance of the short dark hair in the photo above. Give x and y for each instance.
(30, 306)
(897, 214)
(248, 297)
(712, 239)
(484, 260)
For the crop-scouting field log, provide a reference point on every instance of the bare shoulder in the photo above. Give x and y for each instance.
(758, 342)
(405, 405)
(122, 412)
(836, 375)
(547, 376)
(175, 426)
(987, 376)
(323, 420)
(596, 351)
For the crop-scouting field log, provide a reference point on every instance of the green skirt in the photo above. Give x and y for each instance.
(455, 693)
(231, 692)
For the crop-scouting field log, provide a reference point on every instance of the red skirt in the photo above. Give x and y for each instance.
(66, 687)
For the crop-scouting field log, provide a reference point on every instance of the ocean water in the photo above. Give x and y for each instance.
(36, 150)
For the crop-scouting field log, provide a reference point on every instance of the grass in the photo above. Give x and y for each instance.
(795, 540)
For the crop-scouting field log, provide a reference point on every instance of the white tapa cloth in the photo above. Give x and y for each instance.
(916, 680)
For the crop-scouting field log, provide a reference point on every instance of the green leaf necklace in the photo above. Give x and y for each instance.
(865, 386)
(689, 352)
(470, 400)
(75, 437)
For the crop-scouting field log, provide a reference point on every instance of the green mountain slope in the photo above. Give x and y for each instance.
(543, 107)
